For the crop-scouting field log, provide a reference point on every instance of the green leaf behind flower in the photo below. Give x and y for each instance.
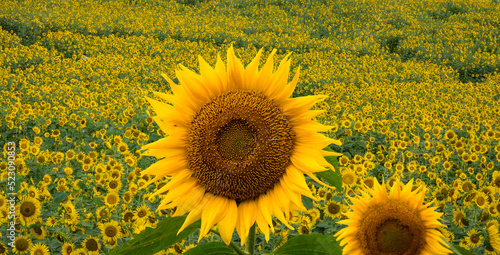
(458, 250)
(160, 238)
(332, 176)
(310, 244)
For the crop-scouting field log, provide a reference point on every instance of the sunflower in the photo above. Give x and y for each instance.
(349, 177)
(493, 236)
(39, 232)
(142, 213)
(39, 249)
(237, 144)
(21, 245)
(333, 209)
(67, 248)
(3, 249)
(394, 223)
(474, 238)
(110, 231)
(29, 209)
(91, 244)
(112, 199)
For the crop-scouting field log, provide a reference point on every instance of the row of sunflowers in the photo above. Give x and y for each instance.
(410, 90)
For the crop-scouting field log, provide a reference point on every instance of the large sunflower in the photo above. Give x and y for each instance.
(394, 223)
(237, 145)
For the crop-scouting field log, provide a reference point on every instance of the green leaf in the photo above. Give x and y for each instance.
(332, 176)
(310, 244)
(160, 238)
(308, 203)
(97, 200)
(82, 186)
(458, 250)
(210, 248)
(59, 197)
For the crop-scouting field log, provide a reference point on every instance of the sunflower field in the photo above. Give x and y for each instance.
(410, 95)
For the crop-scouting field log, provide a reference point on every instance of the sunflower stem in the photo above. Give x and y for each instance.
(250, 245)
(235, 247)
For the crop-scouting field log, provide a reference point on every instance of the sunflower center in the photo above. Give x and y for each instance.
(393, 237)
(333, 208)
(28, 209)
(21, 244)
(128, 217)
(240, 145)
(397, 229)
(141, 213)
(91, 245)
(112, 200)
(474, 238)
(113, 184)
(110, 231)
(38, 230)
(236, 140)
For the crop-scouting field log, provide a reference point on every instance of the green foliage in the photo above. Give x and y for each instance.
(156, 239)
(310, 244)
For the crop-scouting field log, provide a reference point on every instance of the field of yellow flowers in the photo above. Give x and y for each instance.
(413, 90)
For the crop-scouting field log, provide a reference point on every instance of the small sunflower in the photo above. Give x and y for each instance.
(112, 199)
(474, 238)
(238, 145)
(110, 231)
(493, 236)
(29, 209)
(39, 249)
(349, 177)
(142, 213)
(394, 223)
(91, 244)
(39, 232)
(21, 245)
(3, 249)
(333, 209)
(67, 248)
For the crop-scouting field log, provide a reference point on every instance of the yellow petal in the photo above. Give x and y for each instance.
(228, 223)
(195, 214)
(214, 211)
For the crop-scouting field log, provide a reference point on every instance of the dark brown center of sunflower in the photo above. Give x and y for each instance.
(480, 201)
(392, 228)
(110, 231)
(21, 244)
(27, 209)
(474, 238)
(240, 145)
(91, 245)
(113, 184)
(333, 208)
(393, 237)
(141, 213)
(304, 230)
(128, 216)
(369, 183)
(38, 230)
(112, 199)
